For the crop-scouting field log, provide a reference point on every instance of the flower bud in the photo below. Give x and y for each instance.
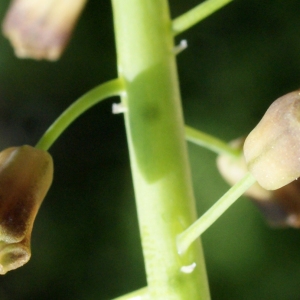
(40, 29)
(25, 177)
(280, 207)
(272, 149)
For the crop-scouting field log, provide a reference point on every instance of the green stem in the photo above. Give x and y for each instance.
(141, 294)
(108, 89)
(157, 148)
(196, 15)
(210, 142)
(186, 238)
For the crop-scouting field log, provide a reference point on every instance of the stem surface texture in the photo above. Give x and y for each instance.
(157, 148)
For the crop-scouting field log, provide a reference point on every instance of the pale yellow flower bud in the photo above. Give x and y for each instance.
(272, 149)
(25, 177)
(280, 207)
(40, 29)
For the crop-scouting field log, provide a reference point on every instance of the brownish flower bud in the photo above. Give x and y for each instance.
(25, 177)
(272, 149)
(41, 29)
(283, 207)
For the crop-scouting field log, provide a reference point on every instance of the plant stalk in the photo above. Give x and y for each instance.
(196, 14)
(186, 238)
(209, 142)
(101, 92)
(157, 148)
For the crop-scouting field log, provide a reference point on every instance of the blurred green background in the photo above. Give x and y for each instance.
(85, 240)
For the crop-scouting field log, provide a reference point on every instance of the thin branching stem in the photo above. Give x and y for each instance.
(186, 238)
(157, 148)
(196, 14)
(209, 142)
(103, 91)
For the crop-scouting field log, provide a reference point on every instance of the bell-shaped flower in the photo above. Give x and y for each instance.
(272, 149)
(40, 29)
(280, 207)
(25, 176)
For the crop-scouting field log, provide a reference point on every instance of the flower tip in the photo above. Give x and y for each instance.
(25, 176)
(22, 52)
(13, 256)
(41, 29)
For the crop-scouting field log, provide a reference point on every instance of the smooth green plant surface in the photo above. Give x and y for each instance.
(159, 164)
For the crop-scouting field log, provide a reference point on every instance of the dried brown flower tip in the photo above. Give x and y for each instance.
(41, 29)
(25, 177)
(272, 149)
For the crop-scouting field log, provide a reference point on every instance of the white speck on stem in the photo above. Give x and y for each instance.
(179, 48)
(188, 269)
(118, 108)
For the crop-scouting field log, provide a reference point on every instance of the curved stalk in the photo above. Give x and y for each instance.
(196, 14)
(103, 91)
(186, 238)
(209, 142)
